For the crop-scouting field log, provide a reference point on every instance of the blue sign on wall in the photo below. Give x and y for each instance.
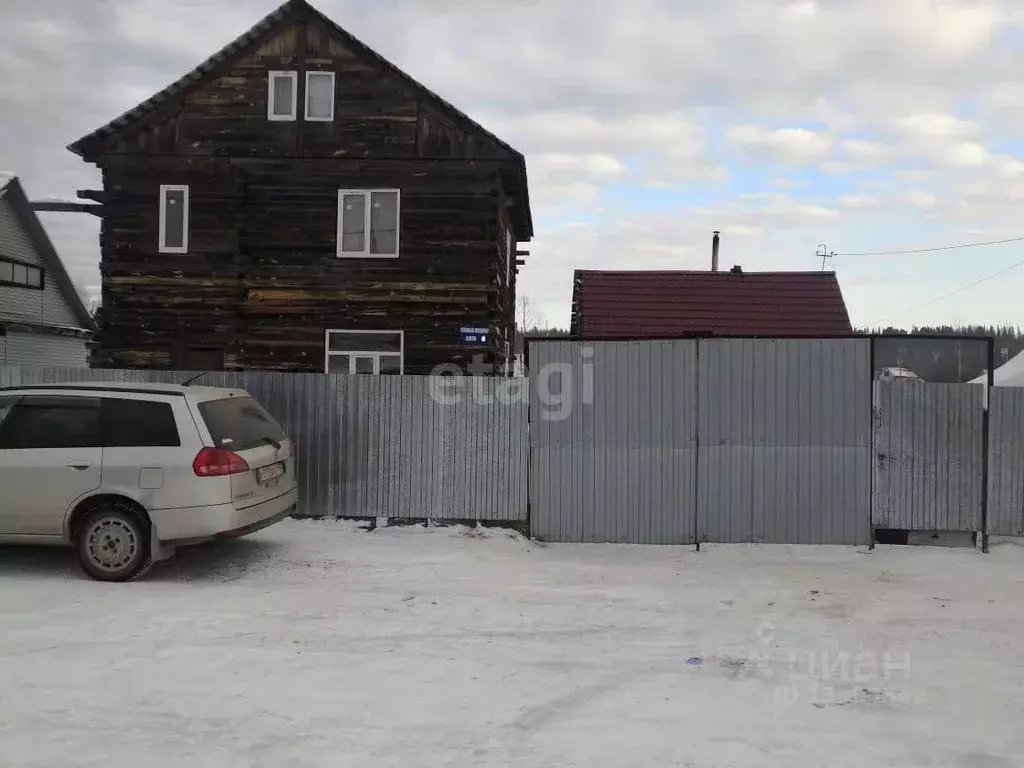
(473, 336)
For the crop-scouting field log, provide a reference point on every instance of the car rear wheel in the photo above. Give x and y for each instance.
(112, 544)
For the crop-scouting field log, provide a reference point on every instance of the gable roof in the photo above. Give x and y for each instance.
(670, 304)
(294, 9)
(12, 191)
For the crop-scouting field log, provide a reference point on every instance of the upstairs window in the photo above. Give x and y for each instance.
(173, 218)
(320, 96)
(368, 223)
(282, 95)
(22, 275)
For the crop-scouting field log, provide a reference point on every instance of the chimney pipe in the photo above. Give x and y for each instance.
(714, 252)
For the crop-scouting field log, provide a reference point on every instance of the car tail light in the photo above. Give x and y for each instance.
(216, 462)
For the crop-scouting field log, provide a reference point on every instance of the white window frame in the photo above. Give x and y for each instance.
(367, 218)
(293, 113)
(163, 246)
(320, 73)
(353, 354)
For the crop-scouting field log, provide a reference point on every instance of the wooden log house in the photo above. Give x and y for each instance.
(298, 203)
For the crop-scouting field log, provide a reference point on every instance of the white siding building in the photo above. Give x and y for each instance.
(43, 321)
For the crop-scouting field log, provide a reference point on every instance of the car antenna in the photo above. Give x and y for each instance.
(197, 376)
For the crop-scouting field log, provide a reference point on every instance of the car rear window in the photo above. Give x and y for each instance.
(240, 423)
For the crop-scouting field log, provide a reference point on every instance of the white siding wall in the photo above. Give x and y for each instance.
(42, 350)
(47, 306)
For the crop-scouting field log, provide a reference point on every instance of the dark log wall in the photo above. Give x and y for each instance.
(262, 281)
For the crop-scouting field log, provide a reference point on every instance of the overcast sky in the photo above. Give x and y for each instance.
(861, 124)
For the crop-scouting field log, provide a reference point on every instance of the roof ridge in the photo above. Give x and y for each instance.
(249, 36)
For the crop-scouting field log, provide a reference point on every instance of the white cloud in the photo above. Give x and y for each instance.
(787, 145)
(588, 164)
(920, 199)
(968, 153)
(936, 126)
(858, 201)
(861, 149)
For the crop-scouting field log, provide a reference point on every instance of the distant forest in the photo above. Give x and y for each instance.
(537, 331)
(933, 360)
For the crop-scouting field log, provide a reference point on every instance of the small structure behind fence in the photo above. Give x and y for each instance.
(378, 446)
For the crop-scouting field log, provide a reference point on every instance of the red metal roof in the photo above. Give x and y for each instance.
(648, 303)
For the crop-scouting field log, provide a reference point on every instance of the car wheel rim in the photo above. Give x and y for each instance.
(111, 544)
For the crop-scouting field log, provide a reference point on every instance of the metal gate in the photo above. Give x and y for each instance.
(784, 441)
(782, 451)
(929, 443)
(613, 440)
(1006, 458)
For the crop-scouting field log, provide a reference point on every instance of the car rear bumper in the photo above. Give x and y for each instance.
(192, 524)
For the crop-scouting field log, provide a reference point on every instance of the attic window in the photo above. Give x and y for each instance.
(173, 218)
(368, 223)
(320, 96)
(282, 95)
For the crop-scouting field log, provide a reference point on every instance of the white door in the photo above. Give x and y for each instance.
(50, 457)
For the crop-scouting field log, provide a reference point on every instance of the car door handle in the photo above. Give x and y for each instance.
(79, 465)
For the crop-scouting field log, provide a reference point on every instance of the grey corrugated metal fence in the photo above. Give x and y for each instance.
(387, 446)
(721, 440)
(928, 456)
(1006, 462)
(785, 441)
(613, 439)
(782, 452)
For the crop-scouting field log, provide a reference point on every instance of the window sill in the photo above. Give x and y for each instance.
(12, 284)
(366, 255)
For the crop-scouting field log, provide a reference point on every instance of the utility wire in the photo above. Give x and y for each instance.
(961, 289)
(930, 250)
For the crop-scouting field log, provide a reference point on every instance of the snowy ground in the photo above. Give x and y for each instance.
(318, 644)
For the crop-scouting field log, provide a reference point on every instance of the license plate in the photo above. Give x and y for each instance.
(266, 474)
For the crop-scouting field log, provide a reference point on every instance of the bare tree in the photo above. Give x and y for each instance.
(526, 315)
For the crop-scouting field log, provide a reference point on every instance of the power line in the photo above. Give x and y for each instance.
(961, 289)
(929, 250)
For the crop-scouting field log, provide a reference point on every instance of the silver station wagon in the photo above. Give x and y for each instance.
(126, 473)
